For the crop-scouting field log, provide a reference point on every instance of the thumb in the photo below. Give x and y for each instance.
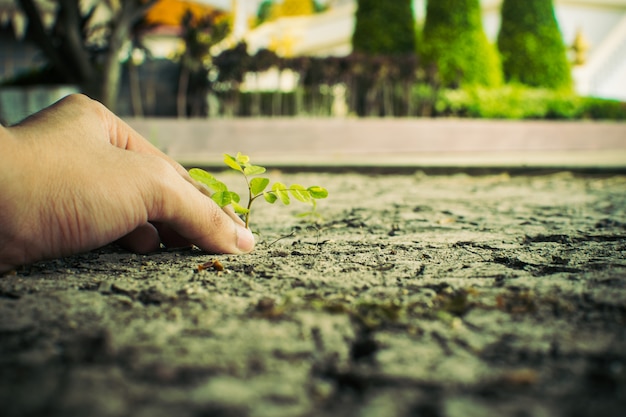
(195, 217)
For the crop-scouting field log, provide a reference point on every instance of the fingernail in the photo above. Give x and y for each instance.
(245, 239)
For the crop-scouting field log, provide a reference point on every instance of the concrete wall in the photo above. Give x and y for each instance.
(412, 143)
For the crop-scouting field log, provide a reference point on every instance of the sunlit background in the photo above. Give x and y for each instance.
(259, 58)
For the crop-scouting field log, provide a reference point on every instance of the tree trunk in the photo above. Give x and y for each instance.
(181, 97)
(65, 48)
(130, 12)
(75, 47)
(112, 71)
(69, 58)
(135, 89)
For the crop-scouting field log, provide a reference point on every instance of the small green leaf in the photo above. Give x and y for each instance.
(281, 192)
(242, 159)
(234, 197)
(318, 192)
(239, 208)
(200, 175)
(300, 193)
(253, 170)
(257, 185)
(232, 162)
(270, 197)
(222, 198)
(207, 179)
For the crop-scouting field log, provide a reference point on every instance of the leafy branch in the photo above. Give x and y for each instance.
(257, 187)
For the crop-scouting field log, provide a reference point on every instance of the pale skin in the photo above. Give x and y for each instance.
(74, 177)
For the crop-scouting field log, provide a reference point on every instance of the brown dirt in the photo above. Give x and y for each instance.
(416, 295)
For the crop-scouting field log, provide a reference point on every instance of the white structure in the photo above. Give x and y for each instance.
(601, 22)
(327, 33)
(603, 25)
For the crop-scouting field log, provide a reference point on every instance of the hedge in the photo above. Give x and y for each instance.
(515, 101)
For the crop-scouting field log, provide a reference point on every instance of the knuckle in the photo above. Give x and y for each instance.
(78, 100)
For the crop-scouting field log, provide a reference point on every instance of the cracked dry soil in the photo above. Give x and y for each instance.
(435, 296)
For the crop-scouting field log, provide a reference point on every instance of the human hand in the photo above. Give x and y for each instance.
(74, 177)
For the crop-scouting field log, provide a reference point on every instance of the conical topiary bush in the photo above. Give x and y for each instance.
(384, 27)
(454, 40)
(531, 45)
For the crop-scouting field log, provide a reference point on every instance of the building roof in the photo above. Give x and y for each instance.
(171, 12)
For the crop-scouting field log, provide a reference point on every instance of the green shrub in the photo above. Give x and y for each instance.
(264, 11)
(384, 27)
(454, 40)
(531, 45)
(511, 102)
(424, 96)
(597, 108)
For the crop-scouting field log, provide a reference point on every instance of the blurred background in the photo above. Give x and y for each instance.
(503, 59)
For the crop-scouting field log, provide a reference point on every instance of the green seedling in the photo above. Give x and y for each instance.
(257, 188)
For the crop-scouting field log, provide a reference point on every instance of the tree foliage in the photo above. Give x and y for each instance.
(384, 27)
(264, 11)
(199, 35)
(531, 45)
(454, 40)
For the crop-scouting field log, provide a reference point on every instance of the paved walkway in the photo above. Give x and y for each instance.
(409, 143)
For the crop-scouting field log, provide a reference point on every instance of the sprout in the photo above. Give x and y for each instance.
(257, 187)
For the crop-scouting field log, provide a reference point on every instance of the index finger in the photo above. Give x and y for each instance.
(123, 136)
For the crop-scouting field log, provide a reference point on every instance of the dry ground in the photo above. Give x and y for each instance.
(416, 295)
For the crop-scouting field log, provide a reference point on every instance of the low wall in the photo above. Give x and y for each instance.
(391, 142)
